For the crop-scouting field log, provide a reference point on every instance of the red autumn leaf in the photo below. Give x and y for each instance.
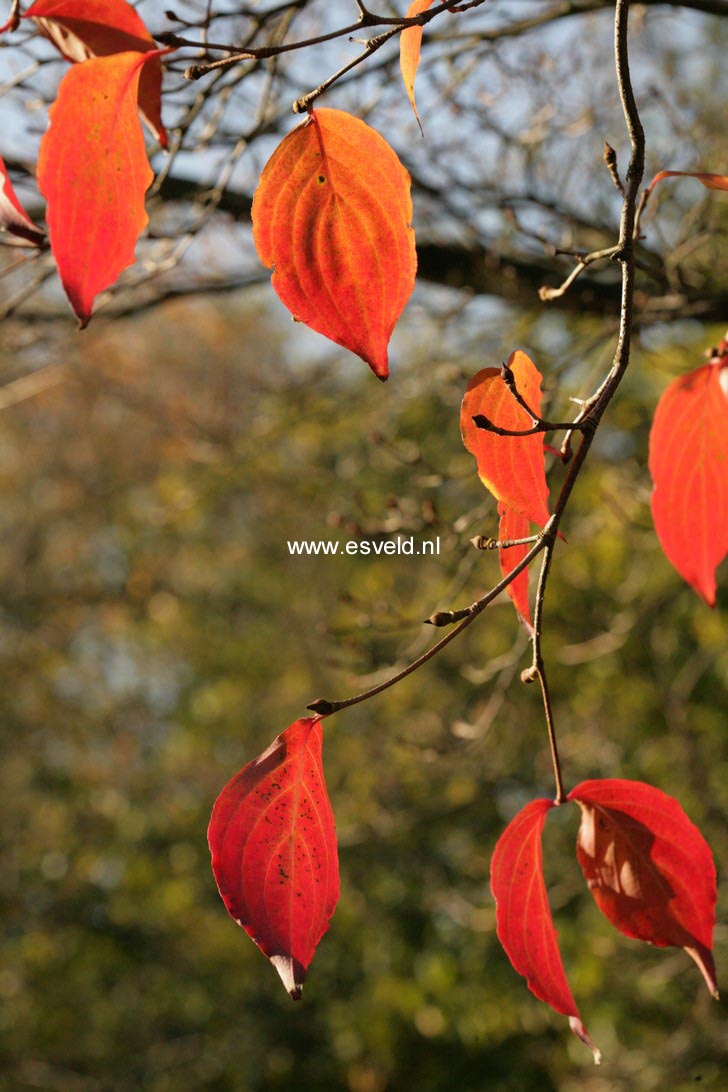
(13, 217)
(332, 215)
(274, 855)
(512, 525)
(83, 29)
(712, 181)
(689, 466)
(648, 867)
(410, 42)
(93, 171)
(511, 467)
(523, 916)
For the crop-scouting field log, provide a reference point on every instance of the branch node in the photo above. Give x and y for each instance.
(610, 158)
(322, 706)
(483, 542)
(481, 421)
(440, 618)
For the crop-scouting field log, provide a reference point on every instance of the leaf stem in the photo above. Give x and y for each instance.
(486, 425)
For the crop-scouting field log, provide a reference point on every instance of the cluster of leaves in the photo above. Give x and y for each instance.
(275, 859)
(332, 217)
(648, 867)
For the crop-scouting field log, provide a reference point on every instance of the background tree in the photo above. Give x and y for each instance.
(156, 627)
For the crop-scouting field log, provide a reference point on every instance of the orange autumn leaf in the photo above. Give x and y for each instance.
(712, 181)
(332, 216)
(514, 526)
(83, 29)
(410, 42)
(688, 462)
(94, 172)
(511, 467)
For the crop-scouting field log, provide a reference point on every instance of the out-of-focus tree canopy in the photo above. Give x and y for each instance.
(156, 633)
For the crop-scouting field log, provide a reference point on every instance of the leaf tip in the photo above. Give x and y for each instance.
(707, 592)
(380, 367)
(581, 1033)
(292, 974)
(703, 957)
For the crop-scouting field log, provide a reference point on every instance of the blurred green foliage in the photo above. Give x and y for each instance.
(156, 634)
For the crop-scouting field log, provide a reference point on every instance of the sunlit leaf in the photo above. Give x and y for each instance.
(13, 217)
(689, 467)
(83, 29)
(332, 216)
(93, 171)
(410, 42)
(511, 467)
(523, 915)
(648, 867)
(274, 854)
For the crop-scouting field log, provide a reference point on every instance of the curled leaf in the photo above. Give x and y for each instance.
(688, 462)
(410, 43)
(83, 29)
(274, 855)
(332, 215)
(648, 867)
(512, 467)
(711, 181)
(94, 172)
(13, 217)
(523, 915)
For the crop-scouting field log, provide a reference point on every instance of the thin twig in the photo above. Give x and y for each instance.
(397, 25)
(28, 386)
(304, 103)
(598, 404)
(483, 542)
(547, 293)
